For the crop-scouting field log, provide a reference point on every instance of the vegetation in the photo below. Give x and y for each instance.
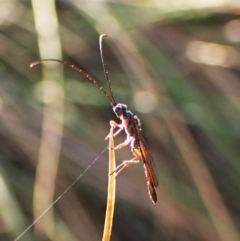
(176, 67)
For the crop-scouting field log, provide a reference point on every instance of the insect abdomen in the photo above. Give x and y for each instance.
(151, 188)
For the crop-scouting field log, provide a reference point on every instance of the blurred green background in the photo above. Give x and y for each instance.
(175, 64)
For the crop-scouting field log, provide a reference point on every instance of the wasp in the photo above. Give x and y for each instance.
(130, 123)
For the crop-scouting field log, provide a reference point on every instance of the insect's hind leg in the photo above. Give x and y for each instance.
(125, 164)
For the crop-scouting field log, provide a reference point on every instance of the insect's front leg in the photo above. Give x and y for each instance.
(114, 125)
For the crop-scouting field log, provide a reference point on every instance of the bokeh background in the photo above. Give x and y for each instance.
(175, 64)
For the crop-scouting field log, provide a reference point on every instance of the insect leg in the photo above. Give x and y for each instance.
(124, 164)
(114, 125)
(125, 143)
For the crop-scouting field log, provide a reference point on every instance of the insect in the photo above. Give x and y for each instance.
(129, 122)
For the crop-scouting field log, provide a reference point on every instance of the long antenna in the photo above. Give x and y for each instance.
(105, 68)
(88, 76)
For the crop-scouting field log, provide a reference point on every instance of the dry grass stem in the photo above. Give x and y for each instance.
(111, 191)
